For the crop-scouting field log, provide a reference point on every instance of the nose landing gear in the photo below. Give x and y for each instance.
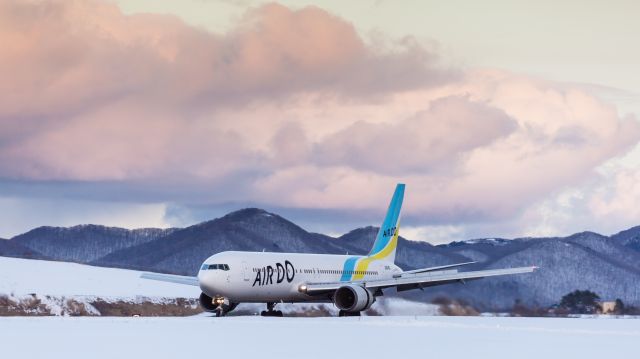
(224, 308)
(270, 312)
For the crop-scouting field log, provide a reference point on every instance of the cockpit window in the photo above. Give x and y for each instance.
(214, 266)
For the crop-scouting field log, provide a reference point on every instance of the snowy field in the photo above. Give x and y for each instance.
(256, 337)
(365, 337)
(25, 276)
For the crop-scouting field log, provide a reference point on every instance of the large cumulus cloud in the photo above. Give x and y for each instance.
(291, 108)
(81, 75)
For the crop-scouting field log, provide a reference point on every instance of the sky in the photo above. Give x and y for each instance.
(504, 119)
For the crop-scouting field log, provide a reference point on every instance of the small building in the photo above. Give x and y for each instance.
(607, 307)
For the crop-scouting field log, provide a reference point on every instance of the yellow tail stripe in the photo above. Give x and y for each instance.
(363, 265)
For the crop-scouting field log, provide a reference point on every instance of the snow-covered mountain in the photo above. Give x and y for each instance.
(610, 266)
(629, 238)
(582, 261)
(85, 243)
(184, 250)
(13, 249)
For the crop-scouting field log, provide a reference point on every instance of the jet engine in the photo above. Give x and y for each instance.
(206, 302)
(219, 305)
(353, 298)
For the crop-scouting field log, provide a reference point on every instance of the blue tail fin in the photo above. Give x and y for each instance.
(387, 239)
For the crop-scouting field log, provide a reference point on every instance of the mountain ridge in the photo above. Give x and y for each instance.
(609, 265)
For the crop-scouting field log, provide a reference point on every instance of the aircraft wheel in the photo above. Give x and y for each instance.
(271, 313)
(343, 313)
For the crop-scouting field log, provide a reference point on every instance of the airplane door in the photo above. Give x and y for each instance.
(245, 270)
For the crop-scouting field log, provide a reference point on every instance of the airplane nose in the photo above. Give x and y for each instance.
(209, 282)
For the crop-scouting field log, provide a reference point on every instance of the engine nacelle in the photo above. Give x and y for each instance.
(353, 298)
(212, 304)
(206, 302)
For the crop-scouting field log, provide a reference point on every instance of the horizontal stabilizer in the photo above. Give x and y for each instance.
(431, 269)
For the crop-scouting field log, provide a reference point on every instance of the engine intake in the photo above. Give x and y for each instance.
(206, 302)
(353, 298)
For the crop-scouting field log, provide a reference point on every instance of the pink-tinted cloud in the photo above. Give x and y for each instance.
(84, 86)
(291, 108)
(77, 54)
(525, 140)
(440, 136)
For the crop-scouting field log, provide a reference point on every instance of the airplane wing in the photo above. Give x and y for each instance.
(171, 278)
(408, 280)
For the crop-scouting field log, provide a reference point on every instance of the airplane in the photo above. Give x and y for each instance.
(351, 282)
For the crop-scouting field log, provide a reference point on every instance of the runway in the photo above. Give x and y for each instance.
(371, 337)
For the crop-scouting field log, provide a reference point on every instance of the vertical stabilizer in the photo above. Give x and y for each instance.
(384, 248)
(387, 239)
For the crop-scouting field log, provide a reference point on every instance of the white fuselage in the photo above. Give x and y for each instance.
(276, 277)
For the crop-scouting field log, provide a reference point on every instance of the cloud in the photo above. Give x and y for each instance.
(507, 142)
(615, 201)
(291, 109)
(80, 54)
(438, 136)
(117, 84)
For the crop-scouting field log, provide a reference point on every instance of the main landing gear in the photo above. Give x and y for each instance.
(270, 312)
(343, 313)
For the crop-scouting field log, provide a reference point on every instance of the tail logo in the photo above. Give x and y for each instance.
(389, 232)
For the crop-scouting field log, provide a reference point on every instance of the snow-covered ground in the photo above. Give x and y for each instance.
(36, 287)
(253, 336)
(25, 276)
(365, 337)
